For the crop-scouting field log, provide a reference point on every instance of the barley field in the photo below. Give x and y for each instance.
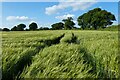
(60, 54)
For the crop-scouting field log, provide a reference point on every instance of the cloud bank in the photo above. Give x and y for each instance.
(64, 5)
(18, 18)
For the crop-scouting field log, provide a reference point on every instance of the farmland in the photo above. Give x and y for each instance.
(60, 54)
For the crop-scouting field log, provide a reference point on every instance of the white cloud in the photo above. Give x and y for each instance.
(73, 4)
(18, 18)
(64, 16)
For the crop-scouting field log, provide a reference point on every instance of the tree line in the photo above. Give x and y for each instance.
(93, 19)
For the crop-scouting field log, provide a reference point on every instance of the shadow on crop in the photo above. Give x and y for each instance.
(12, 72)
(73, 40)
(97, 68)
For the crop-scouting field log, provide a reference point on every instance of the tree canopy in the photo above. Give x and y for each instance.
(0, 29)
(57, 26)
(43, 28)
(33, 26)
(5, 29)
(93, 19)
(14, 28)
(68, 23)
(21, 27)
(96, 18)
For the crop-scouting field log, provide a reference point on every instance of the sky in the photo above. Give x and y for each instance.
(47, 13)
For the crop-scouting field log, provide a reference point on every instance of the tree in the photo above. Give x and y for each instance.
(57, 26)
(41, 28)
(33, 26)
(68, 23)
(26, 29)
(44, 28)
(0, 29)
(102, 19)
(14, 28)
(81, 22)
(21, 27)
(5, 29)
(95, 18)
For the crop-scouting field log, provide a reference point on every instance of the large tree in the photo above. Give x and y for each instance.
(81, 21)
(0, 29)
(21, 27)
(57, 26)
(5, 29)
(14, 28)
(95, 18)
(33, 26)
(68, 23)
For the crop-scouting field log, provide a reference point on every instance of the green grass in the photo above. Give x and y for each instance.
(111, 28)
(60, 54)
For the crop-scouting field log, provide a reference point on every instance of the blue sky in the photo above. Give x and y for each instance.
(47, 13)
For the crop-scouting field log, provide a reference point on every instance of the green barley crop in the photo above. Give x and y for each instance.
(60, 54)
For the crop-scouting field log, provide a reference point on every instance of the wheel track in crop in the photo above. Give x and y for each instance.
(26, 60)
(93, 62)
(88, 58)
(70, 38)
(74, 39)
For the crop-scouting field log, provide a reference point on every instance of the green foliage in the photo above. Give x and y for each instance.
(111, 28)
(69, 38)
(75, 54)
(5, 29)
(93, 19)
(58, 61)
(68, 23)
(0, 29)
(96, 19)
(14, 28)
(102, 45)
(19, 53)
(57, 26)
(21, 27)
(43, 28)
(33, 26)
